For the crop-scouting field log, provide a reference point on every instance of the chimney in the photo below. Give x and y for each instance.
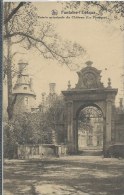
(52, 88)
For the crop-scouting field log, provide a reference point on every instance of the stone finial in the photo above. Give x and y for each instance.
(69, 85)
(109, 83)
(89, 63)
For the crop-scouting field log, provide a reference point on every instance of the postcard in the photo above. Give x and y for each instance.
(63, 98)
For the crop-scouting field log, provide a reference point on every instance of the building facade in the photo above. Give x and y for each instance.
(23, 91)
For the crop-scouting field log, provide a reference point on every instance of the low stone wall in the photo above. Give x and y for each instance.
(40, 151)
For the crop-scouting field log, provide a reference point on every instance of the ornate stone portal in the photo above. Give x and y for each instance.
(89, 77)
(89, 91)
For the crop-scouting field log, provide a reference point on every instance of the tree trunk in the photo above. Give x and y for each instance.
(9, 76)
(9, 80)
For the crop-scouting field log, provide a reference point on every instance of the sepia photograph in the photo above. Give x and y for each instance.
(63, 98)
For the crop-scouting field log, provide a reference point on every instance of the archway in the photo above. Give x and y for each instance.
(90, 129)
(90, 94)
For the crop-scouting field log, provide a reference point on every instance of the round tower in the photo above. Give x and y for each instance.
(23, 92)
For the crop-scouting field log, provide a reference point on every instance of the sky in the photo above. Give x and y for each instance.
(104, 43)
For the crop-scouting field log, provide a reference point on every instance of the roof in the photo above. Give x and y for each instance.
(23, 89)
(23, 86)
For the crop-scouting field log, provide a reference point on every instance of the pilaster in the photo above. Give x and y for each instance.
(70, 132)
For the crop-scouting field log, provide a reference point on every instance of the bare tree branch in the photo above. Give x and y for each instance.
(13, 12)
(37, 40)
(19, 41)
(20, 28)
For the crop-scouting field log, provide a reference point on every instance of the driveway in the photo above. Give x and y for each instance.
(71, 175)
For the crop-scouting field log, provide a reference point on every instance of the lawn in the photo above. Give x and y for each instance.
(72, 175)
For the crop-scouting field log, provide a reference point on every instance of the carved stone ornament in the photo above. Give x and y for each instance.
(89, 77)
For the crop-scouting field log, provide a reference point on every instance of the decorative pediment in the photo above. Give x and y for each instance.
(89, 77)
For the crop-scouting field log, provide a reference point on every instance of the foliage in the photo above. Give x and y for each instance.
(26, 28)
(111, 10)
(32, 128)
(115, 8)
(10, 143)
(26, 128)
(55, 111)
(23, 26)
(56, 119)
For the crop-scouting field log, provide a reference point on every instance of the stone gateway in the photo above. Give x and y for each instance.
(92, 99)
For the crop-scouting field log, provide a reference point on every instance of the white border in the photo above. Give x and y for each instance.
(52, 0)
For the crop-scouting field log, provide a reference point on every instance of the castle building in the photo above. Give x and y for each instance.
(23, 91)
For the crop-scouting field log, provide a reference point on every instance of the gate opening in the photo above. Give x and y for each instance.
(90, 129)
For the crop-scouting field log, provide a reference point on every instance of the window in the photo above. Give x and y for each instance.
(26, 100)
(25, 88)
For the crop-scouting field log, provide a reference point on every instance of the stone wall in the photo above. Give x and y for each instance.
(119, 127)
(40, 151)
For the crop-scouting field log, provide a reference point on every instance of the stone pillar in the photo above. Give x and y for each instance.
(104, 135)
(113, 123)
(108, 123)
(75, 135)
(70, 132)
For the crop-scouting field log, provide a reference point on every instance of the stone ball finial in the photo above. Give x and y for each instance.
(89, 63)
(109, 83)
(69, 85)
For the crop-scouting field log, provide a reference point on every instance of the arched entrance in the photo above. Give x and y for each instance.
(89, 103)
(90, 129)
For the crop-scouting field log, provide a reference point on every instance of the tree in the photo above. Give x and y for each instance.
(23, 26)
(55, 118)
(34, 128)
(111, 10)
(25, 128)
(10, 143)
